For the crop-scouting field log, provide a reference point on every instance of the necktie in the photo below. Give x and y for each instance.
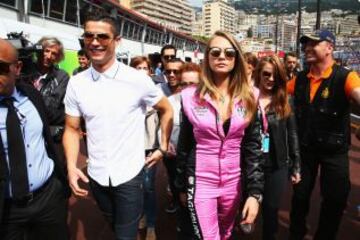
(16, 152)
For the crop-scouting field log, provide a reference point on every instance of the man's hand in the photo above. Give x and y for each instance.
(154, 158)
(250, 210)
(74, 174)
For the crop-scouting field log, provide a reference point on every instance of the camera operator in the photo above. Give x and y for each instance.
(52, 82)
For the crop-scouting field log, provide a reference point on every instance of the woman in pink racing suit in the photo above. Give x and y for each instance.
(219, 148)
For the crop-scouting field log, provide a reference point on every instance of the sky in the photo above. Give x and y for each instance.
(196, 3)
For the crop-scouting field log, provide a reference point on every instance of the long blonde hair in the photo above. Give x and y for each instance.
(238, 84)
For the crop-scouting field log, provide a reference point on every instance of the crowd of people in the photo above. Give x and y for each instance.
(231, 134)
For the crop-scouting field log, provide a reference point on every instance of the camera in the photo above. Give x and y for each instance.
(28, 53)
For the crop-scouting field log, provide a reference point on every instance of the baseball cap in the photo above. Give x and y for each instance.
(319, 35)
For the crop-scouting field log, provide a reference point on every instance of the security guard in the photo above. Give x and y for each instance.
(322, 95)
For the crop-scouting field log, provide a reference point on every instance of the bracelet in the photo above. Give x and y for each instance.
(163, 152)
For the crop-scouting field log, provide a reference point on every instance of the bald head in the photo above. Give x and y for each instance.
(8, 52)
(10, 68)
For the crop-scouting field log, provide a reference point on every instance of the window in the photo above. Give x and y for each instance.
(56, 9)
(125, 29)
(71, 13)
(38, 7)
(11, 3)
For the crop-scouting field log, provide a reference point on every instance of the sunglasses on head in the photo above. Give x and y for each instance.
(5, 67)
(228, 52)
(169, 71)
(266, 74)
(101, 37)
(169, 57)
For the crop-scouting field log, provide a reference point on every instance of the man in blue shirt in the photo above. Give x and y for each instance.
(33, 186)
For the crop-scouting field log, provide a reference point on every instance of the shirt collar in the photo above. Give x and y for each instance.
(324, 75)
(15, 95)
(111, 72)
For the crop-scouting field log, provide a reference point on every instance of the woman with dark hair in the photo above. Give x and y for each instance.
(280, 145)
(148, 219)
(218, 154)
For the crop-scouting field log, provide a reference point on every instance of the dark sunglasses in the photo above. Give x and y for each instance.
(266, 74)
(228, 52)
(169, 57)
(103, 38)
(169, 71)
(5, 67)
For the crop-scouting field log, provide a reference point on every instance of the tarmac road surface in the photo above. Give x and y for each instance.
(86, 222)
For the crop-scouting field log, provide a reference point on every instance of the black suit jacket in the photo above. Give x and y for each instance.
(59, 170)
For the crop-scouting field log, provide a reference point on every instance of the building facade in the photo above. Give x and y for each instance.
(174, 14)
(218, 15)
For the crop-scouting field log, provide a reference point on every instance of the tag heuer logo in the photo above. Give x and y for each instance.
(191, 180)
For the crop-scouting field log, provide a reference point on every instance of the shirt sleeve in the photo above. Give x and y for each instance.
(291, 86)
(151, 93)
(352, 82)
(70, 101)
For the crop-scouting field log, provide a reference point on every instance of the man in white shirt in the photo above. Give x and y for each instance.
(112, 98)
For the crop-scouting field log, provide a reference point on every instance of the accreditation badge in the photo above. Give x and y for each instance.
(265, 142)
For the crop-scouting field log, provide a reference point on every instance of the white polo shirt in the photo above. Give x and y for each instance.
(113, 105)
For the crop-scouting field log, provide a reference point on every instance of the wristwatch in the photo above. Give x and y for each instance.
(258, 197)
(163, 152)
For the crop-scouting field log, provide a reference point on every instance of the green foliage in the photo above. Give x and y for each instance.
(292, 5)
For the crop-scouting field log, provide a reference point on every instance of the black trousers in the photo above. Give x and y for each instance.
(43, 218)
(275, 183)
(334, 186)
(170, 165)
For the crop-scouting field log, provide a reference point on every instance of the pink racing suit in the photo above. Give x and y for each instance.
(209, 164)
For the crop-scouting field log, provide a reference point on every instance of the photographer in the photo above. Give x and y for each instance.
(52, 82)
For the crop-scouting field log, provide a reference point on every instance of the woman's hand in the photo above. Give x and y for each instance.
(295, 178)
(250, 210)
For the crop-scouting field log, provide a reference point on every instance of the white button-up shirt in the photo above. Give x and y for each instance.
(113, 104)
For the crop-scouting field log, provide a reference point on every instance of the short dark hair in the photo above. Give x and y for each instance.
(290, 54)
(82, 52)
(100, 15)
(168, 46)
(174, 60)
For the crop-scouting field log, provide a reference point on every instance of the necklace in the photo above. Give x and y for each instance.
(222, 99)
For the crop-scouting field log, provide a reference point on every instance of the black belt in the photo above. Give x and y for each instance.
(27, 199)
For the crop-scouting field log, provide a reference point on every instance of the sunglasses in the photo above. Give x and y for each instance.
(169, 71)
(169, 57)
(228, 52)
(103, 38)
(266, 74)
(5, 67)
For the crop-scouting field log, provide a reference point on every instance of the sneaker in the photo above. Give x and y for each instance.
(172, 208)
(150, 234)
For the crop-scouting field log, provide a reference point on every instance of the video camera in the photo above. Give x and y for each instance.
(28, 53)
